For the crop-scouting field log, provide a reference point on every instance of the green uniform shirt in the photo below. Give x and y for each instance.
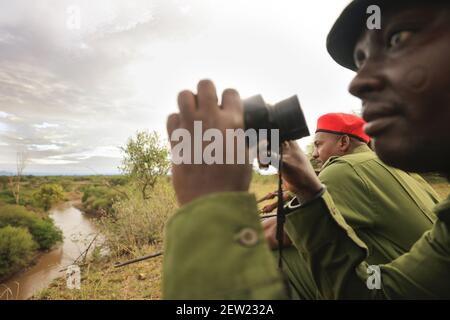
(215, 249)
(388, 209)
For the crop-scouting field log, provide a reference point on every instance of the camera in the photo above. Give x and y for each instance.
(286, 116)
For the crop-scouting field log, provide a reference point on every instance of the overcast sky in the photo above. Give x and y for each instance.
(71, 95)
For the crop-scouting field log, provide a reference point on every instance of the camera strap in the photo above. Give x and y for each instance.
(280, 212)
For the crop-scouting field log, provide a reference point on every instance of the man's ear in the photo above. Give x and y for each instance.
(344, 143)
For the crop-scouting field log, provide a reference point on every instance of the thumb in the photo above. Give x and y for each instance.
(173, 123)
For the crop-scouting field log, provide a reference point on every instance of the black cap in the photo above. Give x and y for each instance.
(346, 30)
(352, 22)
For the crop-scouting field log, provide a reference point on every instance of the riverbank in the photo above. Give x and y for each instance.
(78, 232)
(142, 280)
(100, 280)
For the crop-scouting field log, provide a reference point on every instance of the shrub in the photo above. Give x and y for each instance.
(136, 221)
(6, 196)
(48, 195)
(66, 184)
(16, 248)
(99, 198)
(119, 181)
(43, 231)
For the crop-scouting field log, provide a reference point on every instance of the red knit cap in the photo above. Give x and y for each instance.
(343, 123)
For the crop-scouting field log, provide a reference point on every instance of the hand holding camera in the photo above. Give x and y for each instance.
(192, 181)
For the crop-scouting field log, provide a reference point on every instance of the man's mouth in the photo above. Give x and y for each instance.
(379, 126)
(379, 118)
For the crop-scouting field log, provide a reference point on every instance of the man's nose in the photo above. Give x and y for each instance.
(315, 154)
(367, 81)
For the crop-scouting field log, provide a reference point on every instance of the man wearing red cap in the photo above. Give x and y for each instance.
(371, 196)
(338, 134)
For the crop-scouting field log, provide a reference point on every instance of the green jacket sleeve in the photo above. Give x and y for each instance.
(215, 249)
(336, 257)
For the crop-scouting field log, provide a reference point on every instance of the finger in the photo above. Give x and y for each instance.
(285, 146)
(173, 123)
(187, 105)
(293, 145)
(207, 97)
(231, 100)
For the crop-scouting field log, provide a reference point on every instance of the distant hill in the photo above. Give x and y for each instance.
(5, 173)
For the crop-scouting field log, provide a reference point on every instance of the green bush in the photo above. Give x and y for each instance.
(45, 233)
(4, 182)
(16, 248)
(7, 197)
(43, 230)
(99, 198)
(98, 204)
(48, 195)
(119, 181)
(137, 222)
(66, 184)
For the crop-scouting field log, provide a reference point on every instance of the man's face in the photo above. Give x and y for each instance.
(326, 145)
(403, 80)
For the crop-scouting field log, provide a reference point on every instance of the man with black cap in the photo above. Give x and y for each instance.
(214, 244)
(371, 196)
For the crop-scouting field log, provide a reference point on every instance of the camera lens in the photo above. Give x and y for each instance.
(286, 116)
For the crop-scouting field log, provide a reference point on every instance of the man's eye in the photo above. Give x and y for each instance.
(399, 37)
(359, 58)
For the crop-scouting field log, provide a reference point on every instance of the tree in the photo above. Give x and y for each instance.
(48, 195)
(4, 182)
(43, 230)
(16, 248)
(146, 159)
(14, 181)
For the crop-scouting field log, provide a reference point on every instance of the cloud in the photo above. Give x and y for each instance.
(51, 161)
(4, 127)
(4, 114)
(69, 96)
(43, 147)
(46, 125)
(104, 151)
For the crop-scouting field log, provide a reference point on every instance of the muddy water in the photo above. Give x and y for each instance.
(78, 232)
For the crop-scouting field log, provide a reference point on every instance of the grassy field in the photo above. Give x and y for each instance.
(102, 281)
(142, 280)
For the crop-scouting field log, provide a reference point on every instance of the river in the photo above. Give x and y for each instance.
(78, 232)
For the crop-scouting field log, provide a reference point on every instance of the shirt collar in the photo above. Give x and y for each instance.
(360, 149)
